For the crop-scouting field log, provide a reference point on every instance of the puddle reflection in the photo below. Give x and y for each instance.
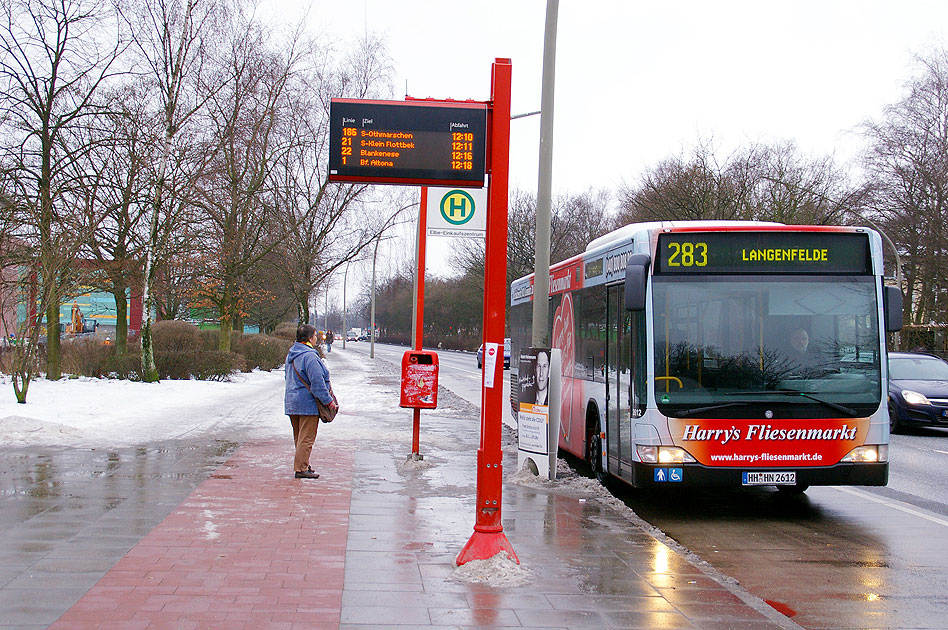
(44, 479)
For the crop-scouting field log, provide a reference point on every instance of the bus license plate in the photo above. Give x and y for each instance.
(770, 478)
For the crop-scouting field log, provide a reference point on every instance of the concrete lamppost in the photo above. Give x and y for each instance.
(326, 312)
(372, 308)
(541, 276)
(345, 327)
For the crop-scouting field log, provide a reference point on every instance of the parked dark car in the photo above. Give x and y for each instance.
(480, 355)
(918, 391)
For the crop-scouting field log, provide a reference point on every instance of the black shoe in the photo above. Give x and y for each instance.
(310, 469)
(307, 474)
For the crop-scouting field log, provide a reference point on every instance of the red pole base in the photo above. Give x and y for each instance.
(484, 546)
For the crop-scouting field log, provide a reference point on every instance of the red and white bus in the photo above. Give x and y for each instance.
(721, 354)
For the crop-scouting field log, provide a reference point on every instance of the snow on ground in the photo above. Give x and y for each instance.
(87, 412)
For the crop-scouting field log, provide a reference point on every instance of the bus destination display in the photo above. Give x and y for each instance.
(763, 252)
(395, 142)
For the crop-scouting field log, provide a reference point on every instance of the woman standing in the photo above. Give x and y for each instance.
(307, 378)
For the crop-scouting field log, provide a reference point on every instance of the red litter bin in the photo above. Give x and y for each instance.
(419, 380)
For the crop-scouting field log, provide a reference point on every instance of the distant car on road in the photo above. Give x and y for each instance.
(480, 355)
(351, 337)
(918, 391)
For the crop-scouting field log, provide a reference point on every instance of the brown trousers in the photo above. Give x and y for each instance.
(304, 436)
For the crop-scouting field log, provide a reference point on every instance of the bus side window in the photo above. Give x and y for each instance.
(638, 363)
(593, 350)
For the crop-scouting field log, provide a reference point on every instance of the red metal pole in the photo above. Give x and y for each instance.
(420, 305)
(422, 245)
(488, 538)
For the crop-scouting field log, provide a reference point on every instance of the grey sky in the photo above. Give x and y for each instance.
(655, 76)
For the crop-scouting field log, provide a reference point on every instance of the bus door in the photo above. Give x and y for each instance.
(618, 383)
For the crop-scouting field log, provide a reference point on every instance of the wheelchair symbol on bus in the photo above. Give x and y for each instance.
(674, 475)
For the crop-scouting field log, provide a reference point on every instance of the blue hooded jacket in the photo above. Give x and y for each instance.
(297, 400)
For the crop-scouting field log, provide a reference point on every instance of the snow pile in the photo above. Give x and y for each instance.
(410, 463)
(525, 477)
(18, 430)
(499, 571)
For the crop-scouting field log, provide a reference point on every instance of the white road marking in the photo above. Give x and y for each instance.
(898, 505)
(942, 452)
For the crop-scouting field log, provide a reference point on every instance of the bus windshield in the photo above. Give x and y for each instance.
(735, 346)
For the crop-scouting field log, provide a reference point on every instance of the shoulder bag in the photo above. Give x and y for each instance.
(326, 413)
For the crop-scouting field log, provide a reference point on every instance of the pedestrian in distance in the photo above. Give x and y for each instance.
(329, 339)
(307, 379)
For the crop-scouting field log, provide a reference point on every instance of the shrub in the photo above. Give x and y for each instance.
(261, 351)
(179, 354)
(174, 336)
(466, 341)
(124, 366)
(399, 339)
(208, 339)
(6, 359)
(286, 330)
(204, 365)
(86, 356)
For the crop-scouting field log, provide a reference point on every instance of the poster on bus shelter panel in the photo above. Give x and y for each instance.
(538, 392)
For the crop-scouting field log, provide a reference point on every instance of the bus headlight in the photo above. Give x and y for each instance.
(663, 454)
(914, 398)
(868, 453)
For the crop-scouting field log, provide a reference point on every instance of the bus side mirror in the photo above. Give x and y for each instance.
(892, 308)
(636, 278)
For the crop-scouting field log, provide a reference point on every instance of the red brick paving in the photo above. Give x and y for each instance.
(251, 547)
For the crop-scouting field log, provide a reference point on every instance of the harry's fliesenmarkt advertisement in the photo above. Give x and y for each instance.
(786, 442)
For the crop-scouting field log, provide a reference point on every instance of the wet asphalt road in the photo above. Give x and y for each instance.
(833, 557)
(919, 470)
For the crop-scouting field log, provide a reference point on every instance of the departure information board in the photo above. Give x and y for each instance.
(763, 252)
(407, 142)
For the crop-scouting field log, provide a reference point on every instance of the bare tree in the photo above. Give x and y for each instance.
(697, 187)
(275, 297)
(907, 165)
(51, 69)
(328, 225)
(758, 183)
(790, 188)
(175, 39)
(576, 220)
(250, 121)
(115, 198)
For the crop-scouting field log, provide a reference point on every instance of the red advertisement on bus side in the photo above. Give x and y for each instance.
(573, 392)
(769, 443)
